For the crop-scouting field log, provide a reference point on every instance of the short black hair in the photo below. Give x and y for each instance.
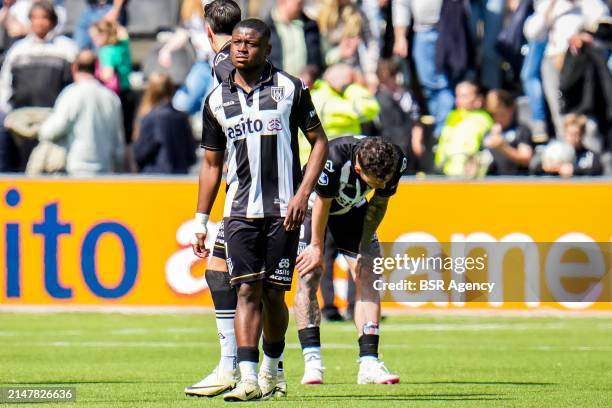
(255, 24)
(377, 157)
(48, 7)
(222, 16)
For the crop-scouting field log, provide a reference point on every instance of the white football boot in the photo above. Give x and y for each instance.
(246, 390)
(375, 372)
(214, 384)
(313, 374)
(267, 383)
(281, 386)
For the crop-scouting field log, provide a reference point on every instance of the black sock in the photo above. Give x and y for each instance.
(223, 295)
(273, 350)
(250, 354)
(368, 345)
(310, 337)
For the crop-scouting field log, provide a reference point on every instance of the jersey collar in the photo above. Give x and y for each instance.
(267, 76)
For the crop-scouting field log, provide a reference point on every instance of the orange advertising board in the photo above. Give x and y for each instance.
(125, 241)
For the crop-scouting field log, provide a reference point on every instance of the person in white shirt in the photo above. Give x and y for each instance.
(87, 120)
(557, 21)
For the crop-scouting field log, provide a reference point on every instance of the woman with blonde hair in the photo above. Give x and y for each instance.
(347, 37)
(163, 142)
(115, 66)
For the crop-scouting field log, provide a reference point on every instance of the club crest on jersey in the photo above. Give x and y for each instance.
(404, 165)
(220, 57)
(277, 93)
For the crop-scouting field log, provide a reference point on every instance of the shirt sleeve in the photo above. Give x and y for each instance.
(306, 112)
(213, 137)
(328, 184)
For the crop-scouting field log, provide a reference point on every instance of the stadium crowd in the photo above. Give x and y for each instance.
(466, 88)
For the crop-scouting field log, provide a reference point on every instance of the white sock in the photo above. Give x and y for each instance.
(270, 365)
(227, 339)
(366, 359)
(248, 370)
(312, 357)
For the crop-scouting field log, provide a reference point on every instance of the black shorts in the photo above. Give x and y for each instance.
(260, 249)
(219, 247)
(346, 229)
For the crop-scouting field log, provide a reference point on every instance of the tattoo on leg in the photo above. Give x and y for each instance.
(306, 306)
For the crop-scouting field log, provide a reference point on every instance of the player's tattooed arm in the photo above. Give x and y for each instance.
(312, 257)
(377, 208)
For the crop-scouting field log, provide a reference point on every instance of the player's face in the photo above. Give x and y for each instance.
(248, 50)
(375, 182)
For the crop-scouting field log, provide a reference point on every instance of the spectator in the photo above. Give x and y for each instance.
(342, 103)
(570, 158)
(295, 40)
(463, 132)
(508, 142)
(37, 67)
(87, 120)
(115, 66)
(531, 79)
(96, 10)
(347, 38)
(424, 15)
(399, 114)
(34, 72)
(163, 142)
(199, 80)
(491, 14)
(558, 21)
(15, 18)
(586, 82)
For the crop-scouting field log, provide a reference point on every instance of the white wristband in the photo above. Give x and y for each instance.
(201, 218)
(200, 227)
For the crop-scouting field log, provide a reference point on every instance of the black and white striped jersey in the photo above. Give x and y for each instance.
(260, 132)
(222, 64)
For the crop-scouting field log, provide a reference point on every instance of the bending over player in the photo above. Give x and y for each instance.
(356, 166)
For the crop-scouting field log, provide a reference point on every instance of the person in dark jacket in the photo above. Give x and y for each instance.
(295, 39)
(399, 119)
(164, 141)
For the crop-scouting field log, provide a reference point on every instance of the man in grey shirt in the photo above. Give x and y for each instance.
(87, 120)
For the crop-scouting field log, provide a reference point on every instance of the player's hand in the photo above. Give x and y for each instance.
(296, 212)
(198, 241)
(310, 259)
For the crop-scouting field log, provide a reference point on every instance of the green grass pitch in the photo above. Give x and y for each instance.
(123, 360)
